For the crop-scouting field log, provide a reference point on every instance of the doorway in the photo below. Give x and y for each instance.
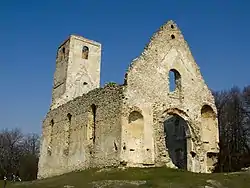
(175, 129)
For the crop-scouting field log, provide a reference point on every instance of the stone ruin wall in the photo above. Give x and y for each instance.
(74, 74)
(148, 90)
(129, 118)
(70, 146)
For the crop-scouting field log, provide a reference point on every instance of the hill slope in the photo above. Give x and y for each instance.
(141, 178)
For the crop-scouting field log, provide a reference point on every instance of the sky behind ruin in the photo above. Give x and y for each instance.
(218, 33)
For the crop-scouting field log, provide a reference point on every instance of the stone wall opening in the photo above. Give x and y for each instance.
(135, 135)
(63, 52)
(67, 134)
(69, 116)
(175, 128)
(91, 126)
(93, 107)
(135, 126)
(209, 133)
(208, 121)
(174, 80)
(211, 161)
(85, 52)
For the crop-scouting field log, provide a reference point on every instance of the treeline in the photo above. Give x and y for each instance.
(18, 154)
(233, 108)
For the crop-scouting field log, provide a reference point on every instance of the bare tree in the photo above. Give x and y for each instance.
(18, 153)
(233, 127)
(10, 142)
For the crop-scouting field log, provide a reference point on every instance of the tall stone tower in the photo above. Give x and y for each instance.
(77, 70)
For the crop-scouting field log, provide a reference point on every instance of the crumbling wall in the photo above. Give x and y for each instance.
(74, 138)
(77, 70)
(60, 75)
(125, 124)
(148, 89)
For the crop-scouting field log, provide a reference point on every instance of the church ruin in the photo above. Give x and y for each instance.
(141, 123)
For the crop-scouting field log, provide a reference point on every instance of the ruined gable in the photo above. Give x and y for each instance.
(148, 89)
(167, 51)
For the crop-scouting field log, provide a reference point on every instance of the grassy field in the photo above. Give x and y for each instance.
(142, 178)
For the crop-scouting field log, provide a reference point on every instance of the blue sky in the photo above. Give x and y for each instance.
(217, 33)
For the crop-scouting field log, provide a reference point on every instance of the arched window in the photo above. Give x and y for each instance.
(174, 80)
(85, 52)
(135, 116)
(207, 112)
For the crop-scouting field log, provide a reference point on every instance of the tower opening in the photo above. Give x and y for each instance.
(69, 117)
(85, 52)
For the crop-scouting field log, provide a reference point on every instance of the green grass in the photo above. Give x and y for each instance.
(152, 177)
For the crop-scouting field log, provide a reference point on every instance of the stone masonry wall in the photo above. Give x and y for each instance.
(74, 73)
(125, 124)
(148, 89)
(60, 75)
(66, 145)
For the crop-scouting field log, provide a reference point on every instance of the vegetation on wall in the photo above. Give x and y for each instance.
(110, 84)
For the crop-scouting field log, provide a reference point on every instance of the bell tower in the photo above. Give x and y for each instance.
(77, 70)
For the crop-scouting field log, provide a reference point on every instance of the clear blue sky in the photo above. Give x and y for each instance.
(218, 32)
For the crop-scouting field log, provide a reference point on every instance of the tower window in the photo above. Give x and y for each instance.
(63, 53)
(69, 117)
(85, 52)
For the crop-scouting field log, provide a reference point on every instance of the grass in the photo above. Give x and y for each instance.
(149, 177)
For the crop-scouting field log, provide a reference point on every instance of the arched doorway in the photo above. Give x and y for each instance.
(176, 133)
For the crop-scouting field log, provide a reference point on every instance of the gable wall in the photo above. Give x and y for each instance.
(148, 90)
